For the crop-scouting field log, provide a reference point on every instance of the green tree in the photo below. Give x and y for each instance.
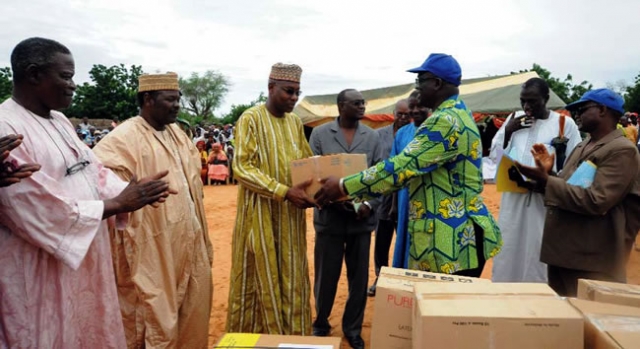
(6, 85)
(112, 93)
(238, 109)
(566, 89)
(201, 95)
(632, 97)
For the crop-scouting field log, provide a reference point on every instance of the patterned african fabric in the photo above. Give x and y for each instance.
(57, 286)
(401, 252)
(442, 168)
(269, 285)
(162, 259)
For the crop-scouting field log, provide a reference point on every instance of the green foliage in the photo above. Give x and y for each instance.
(237, 110)
(632, 97)
(201, 95)
(112, 93)
(566, 89)
(6, 85)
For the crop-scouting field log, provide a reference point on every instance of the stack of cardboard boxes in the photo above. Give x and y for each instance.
(426, 310)
(419, 310)
(500, 315)
(611, 312)
(609, 292)
(393, 318)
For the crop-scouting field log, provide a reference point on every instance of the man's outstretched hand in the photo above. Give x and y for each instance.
(297, 195)
(329, 192)
(150, 190)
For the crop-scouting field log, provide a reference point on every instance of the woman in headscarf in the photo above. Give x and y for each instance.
(203, 159)
(218, 165)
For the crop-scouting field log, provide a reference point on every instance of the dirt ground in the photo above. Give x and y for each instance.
(220, 205)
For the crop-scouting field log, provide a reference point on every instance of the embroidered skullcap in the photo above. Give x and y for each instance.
(286, 72)
(158, 82)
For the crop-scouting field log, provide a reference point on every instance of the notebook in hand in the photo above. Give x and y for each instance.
(584, 175)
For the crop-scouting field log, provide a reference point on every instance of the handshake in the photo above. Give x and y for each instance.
(330, 192)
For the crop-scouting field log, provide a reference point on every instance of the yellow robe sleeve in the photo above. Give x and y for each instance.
(245, 162)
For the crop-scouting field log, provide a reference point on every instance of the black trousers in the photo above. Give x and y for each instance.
(476, 272)
(565, 281)
(329, 252)
(384, 235)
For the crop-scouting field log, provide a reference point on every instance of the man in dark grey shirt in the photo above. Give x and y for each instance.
(343, 229)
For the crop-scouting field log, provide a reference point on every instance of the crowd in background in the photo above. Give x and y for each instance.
(629, 125)
(215, 144)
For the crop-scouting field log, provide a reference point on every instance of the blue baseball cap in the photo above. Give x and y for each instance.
(602, 96)
(443, 66)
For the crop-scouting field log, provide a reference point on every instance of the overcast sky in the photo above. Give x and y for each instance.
(339, 43)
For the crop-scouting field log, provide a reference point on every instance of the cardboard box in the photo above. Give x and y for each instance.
(495, 315)
(609, 292)
(318, 167)
(417, 275)
(252, 340)
(392, 318)
(609, 326)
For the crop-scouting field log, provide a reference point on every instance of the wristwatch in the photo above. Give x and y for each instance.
(343, 190)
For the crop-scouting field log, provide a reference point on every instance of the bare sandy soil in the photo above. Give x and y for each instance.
(220, 205)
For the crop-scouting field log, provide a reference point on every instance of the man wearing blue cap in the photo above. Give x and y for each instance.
(450, 229)
(593, 204)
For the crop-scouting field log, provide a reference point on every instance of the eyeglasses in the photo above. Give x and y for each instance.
(420, 81)
(291, 91)
(77, 167)
(401, 115)
(357, 103)
(581, 110)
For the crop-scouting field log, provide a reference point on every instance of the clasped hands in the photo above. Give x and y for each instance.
(10, 172)
(543, 165)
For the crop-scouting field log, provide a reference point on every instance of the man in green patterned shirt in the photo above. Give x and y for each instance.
(450, 229)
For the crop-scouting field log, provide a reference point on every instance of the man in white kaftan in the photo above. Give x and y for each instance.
(522, 216)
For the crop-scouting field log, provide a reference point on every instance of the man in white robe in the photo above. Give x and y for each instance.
(522, 216)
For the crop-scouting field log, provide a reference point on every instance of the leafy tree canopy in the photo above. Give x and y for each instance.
(112, 93)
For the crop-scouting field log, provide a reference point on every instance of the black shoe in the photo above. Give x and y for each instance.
(356, 342)
(321, 333)
(372, 291)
